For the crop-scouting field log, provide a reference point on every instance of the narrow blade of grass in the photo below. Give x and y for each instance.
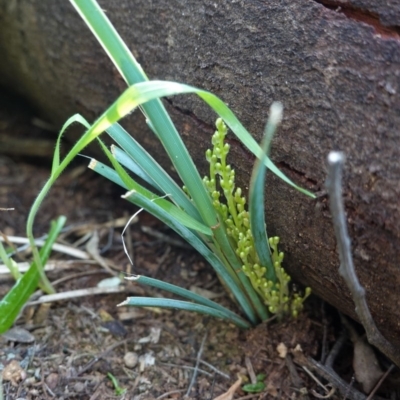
(56, 170)
(110, 40)
(56, 156)
(154, 110)
(15, 299)
(187, 294)
(127, 162)
(9, 262)
(152, 168)
(144, 92)
(175, 212)
(184, 305)
(180, 215)
(224, 245)
(256, 195)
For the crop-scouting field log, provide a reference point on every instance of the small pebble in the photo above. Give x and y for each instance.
(30, 381)
(19, 335)
(131, 359)
(52, 380)
(79, 387)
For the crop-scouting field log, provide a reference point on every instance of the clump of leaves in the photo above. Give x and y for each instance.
(257, 387)
(233, 240)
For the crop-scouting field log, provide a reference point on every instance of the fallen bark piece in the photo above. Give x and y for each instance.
(228, 395)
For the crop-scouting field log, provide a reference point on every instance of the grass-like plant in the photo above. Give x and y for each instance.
(209, 213)
(18, 295)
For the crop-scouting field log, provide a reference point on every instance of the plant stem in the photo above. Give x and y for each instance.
(347, 270)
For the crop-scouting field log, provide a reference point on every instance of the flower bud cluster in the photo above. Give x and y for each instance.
(230, 203)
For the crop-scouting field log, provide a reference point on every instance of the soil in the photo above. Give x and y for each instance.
(78, 345)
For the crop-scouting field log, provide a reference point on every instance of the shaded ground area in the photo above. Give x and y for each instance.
(80, 344)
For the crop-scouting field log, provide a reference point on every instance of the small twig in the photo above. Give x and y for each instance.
(201, 371)
(97, 390)
(109, 243)
(129, 248)
(327, 396)
(214, 369)
(250, 370)
(249, 396)
(81, 230)
(349, 387)
(335, 349)
(100, 356)
(169, 393)
(211, 395)
(166, 375)
(56, 247)
(329, 374)
(164, 256)
(83, 239)
(196, 368)
(46, 387)
(296, 379)
(72, 294)
(377, 386)
(334, 188)
(92, 247)
(24, 266)
(132, 218)
(77, 275)
(316, 379)
(325, 332)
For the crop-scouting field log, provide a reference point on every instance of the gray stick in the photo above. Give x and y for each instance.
(334, 187)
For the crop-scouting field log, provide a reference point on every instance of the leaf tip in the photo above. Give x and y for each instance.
(132, 278)
(124, 303)
(92, 164)
(128, 194)
(276, 111)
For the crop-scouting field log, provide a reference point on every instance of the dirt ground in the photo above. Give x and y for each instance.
(73, 348)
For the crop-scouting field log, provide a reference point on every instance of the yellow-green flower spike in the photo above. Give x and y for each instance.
(230, 203)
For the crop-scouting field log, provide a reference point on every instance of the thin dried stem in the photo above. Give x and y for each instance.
(334, 188)
(194, 376)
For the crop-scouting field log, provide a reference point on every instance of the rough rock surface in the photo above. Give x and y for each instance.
(335, 65)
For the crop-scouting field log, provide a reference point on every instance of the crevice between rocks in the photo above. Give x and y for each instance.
(304, 179)
(367, 17)
(191, 115)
